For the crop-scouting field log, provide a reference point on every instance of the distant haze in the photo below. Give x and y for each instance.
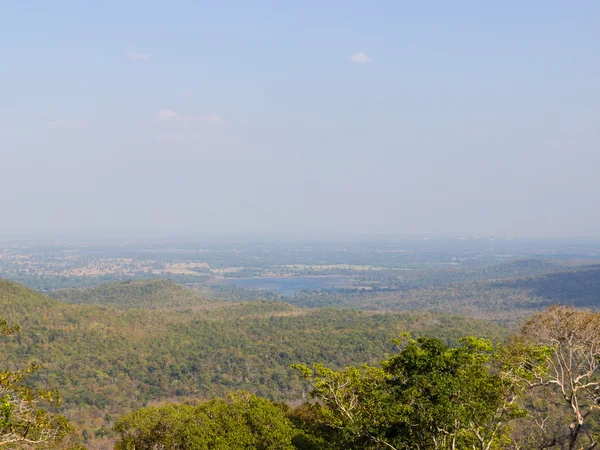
(300, 118)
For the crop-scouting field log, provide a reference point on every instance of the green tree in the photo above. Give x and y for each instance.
(427, 396)
(243, 421)
(452, 397)
(352, 407)
(23, 424)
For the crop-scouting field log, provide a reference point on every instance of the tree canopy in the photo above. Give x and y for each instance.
(428, 395)
(242, 421)
(23, 421)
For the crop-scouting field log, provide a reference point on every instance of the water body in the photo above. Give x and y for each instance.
(289, 286)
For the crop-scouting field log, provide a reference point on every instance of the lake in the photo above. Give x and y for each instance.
(288, 286)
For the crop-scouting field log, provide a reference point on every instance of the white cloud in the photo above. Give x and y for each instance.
(360, 58)
(168, 115)
(135, 54)
(66, 124)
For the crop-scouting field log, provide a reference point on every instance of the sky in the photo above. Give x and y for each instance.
(311, 117)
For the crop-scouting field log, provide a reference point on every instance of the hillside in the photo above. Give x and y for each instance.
(579, 286)
(510, 298)
(450, 274)
(146, 294)
(518, 268)
(106, 361)
(493, 293)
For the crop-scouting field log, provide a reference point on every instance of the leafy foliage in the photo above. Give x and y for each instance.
(243, 421)
(427, 396)
(147, 294)
(22, 420)
(107, 362)
(512, 299)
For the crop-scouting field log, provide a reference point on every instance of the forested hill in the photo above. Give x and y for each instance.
(493, 294)
(106, 361)
(578, 287)
(147, 294)
(510, 298)
(518, 268)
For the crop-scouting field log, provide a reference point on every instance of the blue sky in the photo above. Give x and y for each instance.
(300, 117)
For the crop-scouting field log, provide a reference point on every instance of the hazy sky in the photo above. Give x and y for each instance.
(461, 117)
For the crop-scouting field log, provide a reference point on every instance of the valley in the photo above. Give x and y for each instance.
(114, 345)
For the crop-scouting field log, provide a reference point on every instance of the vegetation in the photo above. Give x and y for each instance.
(539, 391)
(121, 347)
(381, 264)
(429, 277)
(23, 421)
(508, 298)
(567, 394)
(427, 395)
(243, 421)
(107, 361)
(146, 294)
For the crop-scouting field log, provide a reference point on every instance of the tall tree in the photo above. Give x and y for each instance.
(23, 423)
(572, 376)
(243, 421)
(352, 407)
(427, 396)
